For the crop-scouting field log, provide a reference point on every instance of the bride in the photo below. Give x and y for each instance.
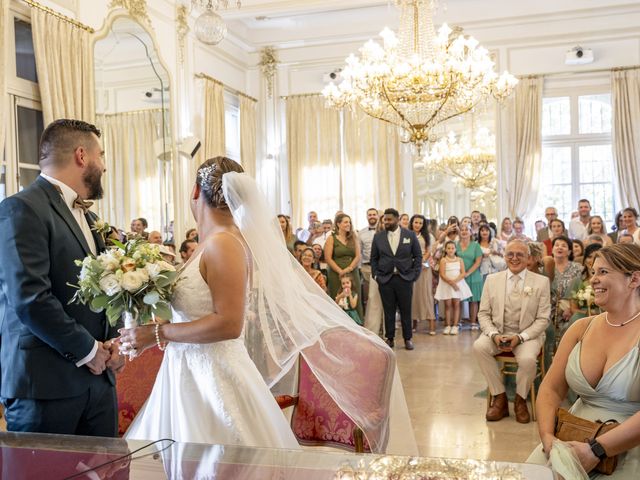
(208, 389)
(244, 311)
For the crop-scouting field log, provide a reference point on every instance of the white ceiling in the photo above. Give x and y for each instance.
(293, 23)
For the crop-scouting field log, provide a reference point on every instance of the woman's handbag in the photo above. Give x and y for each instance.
(572, 428)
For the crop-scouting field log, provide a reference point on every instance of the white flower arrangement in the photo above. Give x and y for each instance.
(101, 227)
(584, 296)
(528, 291)
(129, 277)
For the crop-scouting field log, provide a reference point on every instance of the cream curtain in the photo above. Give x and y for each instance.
(4, 104)
(313, 142)
(371, 168)
(248, 126)
(64, 62)
(214, 144)
(523, 154)
(133, 177)
(625, 88)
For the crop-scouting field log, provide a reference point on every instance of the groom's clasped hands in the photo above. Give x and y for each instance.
(107, 357)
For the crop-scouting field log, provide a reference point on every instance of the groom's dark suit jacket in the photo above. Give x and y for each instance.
(42, 337)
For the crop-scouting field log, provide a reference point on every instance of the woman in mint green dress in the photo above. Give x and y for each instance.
(471, 254)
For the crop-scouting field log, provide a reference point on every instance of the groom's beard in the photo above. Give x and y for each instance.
(92, 181)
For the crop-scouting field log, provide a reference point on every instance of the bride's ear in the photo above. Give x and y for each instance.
(195, 193)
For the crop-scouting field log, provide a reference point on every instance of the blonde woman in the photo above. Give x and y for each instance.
(289, 237)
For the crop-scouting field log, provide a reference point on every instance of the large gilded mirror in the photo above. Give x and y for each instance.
(133, 110)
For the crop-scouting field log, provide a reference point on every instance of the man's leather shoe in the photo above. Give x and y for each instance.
(390, 342)
(408, 344)
(498, 409)
(521, 410)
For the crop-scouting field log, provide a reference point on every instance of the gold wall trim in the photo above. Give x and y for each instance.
(136, 8)
(131, 112)
(62, 17)
(232, 90)
(300, 95)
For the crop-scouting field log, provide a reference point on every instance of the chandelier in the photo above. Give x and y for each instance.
(210, 27)
(418, 79)
(470, 160)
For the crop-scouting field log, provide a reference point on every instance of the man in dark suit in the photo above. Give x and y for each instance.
(395, 264)
(57, 361)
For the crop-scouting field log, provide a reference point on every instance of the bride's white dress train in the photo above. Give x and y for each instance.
(209, 393)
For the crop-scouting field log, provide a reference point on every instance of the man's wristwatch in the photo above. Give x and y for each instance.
(520, 339)
(597, 449)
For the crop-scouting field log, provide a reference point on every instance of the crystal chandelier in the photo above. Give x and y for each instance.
(470, 160)
(418, 79)
(210, 27)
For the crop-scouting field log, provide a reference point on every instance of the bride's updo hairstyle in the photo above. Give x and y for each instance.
(623, 257)
(209, 179)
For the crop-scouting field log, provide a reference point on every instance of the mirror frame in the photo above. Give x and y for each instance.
(102, 33)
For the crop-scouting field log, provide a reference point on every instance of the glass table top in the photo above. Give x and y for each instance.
(42, 456)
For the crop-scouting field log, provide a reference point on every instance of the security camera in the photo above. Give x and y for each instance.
(148, 94)
(333, 75)
(579, 52)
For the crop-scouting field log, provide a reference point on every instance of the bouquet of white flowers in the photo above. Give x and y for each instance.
(584, 296)
(128, 279)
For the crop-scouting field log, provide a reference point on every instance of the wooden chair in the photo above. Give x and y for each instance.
(134, 385)
(316, 419)
(509, 366)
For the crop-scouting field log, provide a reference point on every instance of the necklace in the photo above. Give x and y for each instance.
(606, 319)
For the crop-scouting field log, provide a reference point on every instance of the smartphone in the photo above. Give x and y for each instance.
(505, 343)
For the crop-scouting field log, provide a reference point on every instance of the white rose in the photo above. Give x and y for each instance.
(133, 281)
(110, 285)
(153, 270)
(109, 261)
(83, 273)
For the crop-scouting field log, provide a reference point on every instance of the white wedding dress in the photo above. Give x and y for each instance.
(209, 393)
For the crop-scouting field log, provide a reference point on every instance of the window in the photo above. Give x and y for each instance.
(232, 126)
(577, 158)
(28, 126)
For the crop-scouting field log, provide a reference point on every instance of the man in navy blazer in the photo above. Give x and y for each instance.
(395, 264)
(57, 361)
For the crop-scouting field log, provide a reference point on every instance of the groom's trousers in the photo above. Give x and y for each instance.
(93, 413)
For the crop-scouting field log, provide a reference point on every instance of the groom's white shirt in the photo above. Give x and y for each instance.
(69, 195)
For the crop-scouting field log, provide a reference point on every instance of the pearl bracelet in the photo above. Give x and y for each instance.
(157, 334)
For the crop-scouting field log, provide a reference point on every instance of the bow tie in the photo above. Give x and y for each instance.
(370, 228)
(82, 204)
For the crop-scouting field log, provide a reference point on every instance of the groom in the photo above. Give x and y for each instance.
(57, 361)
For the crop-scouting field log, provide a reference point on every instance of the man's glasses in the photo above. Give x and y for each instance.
(515, 255)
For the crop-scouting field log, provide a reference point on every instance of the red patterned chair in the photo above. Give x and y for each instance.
(134, 384)
(316, 419)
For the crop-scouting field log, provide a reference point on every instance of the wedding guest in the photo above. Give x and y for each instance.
(452, 288)
(137, 228)
(512, 322)
(347, 298)
(476, 218)
(57, 359)
(342, 254)
(305, 235)
(597, 358)
(470, 253)
(404, 221)
(288, 236)
(365, 236)
(167, 254)
(625, 237)
(518, 231)
(539, 262)
(422, 308)
(192, 234)
(506, 230)
(578, 250)
(395, 265)
(186, 249)
(307, 258)
(577, 311)
(492, 252)
(155, 237)
(557, 229)
(550, 213)
(630, 222)
(298, 247)
(597, 227)
(566, 273)
(617, 227)
(578, 225)
(327, 229)
(318, 253)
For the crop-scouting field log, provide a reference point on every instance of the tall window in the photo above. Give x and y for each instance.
(577, 159)
(232, 126)
(19, 161)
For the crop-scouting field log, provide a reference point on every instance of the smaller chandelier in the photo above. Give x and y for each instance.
(470, 160)
(210, 27)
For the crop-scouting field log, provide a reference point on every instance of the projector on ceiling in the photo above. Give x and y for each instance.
(578, 56)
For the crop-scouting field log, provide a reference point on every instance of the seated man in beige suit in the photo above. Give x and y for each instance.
(514, 313)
